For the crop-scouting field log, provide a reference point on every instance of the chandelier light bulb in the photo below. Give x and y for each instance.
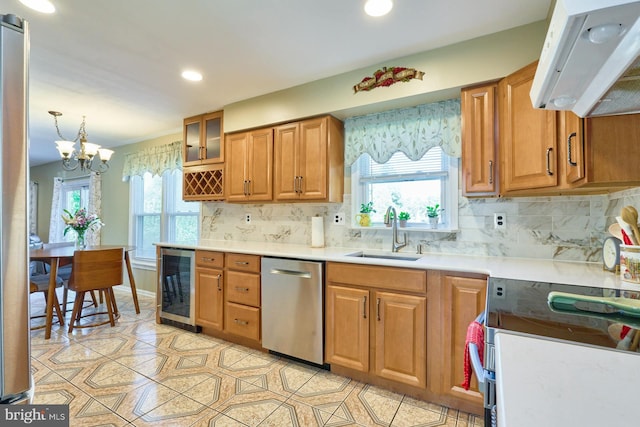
(105, 154)
(378, 7)
(90, 149)
(65, 148)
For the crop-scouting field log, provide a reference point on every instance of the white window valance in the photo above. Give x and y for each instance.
(155, 160)
(411, 130)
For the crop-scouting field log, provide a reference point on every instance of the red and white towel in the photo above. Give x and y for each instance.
(475, 334)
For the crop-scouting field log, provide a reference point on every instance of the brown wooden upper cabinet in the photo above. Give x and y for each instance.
(542, 152)
(248, 173)
(309, 160)
(203, 139)
(528, 141)
(480, 140)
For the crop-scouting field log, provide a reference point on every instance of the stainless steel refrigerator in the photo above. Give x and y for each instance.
(15, 364)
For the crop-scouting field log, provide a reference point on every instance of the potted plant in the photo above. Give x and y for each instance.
(433, 212)
(364, 218)
(403, 217)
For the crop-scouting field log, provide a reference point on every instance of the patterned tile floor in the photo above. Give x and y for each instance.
(142, 374)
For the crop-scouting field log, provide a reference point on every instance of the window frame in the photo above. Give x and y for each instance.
(450, 194)
(67, 186)
(168, 213)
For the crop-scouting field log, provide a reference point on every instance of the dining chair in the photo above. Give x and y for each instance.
(39, 282)
(95, 270)
(64, 272)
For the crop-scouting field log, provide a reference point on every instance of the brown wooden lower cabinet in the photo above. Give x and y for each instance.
(228, 296)
(400, 337)
(393, 322)
(347, 332)
(461, 298)
(403, 329)
(209, 289)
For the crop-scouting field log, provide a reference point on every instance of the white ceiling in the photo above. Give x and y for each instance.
(119, 61)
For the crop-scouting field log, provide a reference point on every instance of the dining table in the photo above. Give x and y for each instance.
(62, 255)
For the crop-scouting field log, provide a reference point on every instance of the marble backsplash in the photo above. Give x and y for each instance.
(560, 227)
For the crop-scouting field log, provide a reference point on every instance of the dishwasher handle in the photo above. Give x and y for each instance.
(302, 274)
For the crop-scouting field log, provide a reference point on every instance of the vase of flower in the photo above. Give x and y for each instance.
(81, 243)
(80, 222)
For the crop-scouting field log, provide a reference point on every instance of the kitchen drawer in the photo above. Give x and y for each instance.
(243, 262)
(243, 288)
(242, 320)
(209, 259)
(401, 279)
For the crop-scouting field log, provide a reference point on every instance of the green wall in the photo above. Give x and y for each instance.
(447, 69)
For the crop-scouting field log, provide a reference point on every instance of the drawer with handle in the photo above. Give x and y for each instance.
(242, 320)
(209, 259)
(243, 262)
(243, 288)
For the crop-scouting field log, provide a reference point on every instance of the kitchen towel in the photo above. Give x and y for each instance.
(317, 232)
(475, 335)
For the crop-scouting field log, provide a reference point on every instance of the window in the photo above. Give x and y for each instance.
(158, 213)
(74, 195)
(409, 186)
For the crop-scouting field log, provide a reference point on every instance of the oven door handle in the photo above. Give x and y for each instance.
(476, 365)
(478, 370)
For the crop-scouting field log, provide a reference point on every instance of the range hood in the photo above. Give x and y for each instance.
(590, 61)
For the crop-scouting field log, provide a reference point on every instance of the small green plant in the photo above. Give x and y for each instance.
(367, 208)
(433, 211)
(404, 216)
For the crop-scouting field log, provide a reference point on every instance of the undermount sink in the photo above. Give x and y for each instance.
(398, 257)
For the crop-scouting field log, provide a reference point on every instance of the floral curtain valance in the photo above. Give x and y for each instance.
(155, 160)
(411, 130)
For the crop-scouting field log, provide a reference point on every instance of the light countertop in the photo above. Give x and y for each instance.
(568, 272)
(542, 382)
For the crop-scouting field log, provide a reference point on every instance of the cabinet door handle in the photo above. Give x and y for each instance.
(378, 308)
(364, 307)
(242, 263)
(549, 172)
(219, 282)
(248, 187)
(490, 171)
(241, 322)
(572, 163)
(240, 289)
(205, 259)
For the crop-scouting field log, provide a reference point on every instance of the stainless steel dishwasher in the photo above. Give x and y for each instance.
(292, 310)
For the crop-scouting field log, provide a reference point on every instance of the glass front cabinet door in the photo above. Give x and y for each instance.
(203, 141)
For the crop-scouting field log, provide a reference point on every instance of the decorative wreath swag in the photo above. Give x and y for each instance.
(387, 77)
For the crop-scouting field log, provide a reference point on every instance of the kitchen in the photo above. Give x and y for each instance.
(559, 228)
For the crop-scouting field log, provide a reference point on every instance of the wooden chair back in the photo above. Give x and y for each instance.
(96, 269)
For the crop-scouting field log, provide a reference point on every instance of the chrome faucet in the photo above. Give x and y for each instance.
(388, 219)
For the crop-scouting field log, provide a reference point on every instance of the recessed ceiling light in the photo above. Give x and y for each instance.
(44, 6)
(191, 75)
(378, 7)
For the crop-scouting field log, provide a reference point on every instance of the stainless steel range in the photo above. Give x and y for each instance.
(578, 314)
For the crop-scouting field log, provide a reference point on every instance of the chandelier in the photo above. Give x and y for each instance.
(72, 159)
